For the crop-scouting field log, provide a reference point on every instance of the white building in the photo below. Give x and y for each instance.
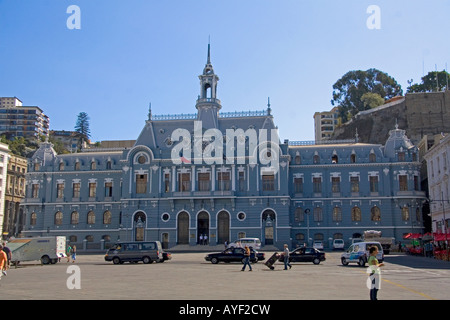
(438, 168)
(4, 154)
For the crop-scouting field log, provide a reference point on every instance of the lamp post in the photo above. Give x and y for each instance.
(307, 211)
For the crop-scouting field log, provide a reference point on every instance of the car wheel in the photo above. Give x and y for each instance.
(316, 261)
(344, 261)
(214, 261)
(116, 260)
(361, 262)
(45, 259)
(146, 260)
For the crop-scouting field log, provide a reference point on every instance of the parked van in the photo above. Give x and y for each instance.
(358, 253)
(46, 249)
(147, 252)
(250, 242)
(338, 244)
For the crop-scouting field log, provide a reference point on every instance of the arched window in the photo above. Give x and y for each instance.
(356, 214)
(299, 215)
(91, 217)
(58, 218)
(405, 213)
(334, 158)
(74, 217)
(337, 214)
(318, 214)
(372, 157)
(61, 166)
(353, 158)
(93, 165)
(33, 218)
(107, 217)
(375, 214)
(298, 160)
(316, 159)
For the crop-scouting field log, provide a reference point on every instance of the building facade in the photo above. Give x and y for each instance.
(439, 184)
(17, 120)
(225, 175)
(14, 194)
(4, 156)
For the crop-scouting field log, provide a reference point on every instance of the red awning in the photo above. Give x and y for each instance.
(412, 236)
(441, 236)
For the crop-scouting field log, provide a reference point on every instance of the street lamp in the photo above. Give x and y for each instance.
(307, 211)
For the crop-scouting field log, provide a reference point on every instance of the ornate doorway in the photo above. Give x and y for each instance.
(268, 222)
(223, 227)
(203, 228)
(139, 221)
(183, 228)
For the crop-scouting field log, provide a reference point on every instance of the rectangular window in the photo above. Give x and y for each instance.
(416, 183)
(373, 183)
(268, 182)
(141, 183)
(60, 190)
(317, 185)
(241, 179)
(298, 185)
(335, 184)
(76, 190)
(184, 182)
(92, 189)
(403, 182)
(204, 182)
(167, 182)
(354, 183)
(108, 189)
(224, 181)
(35, 190)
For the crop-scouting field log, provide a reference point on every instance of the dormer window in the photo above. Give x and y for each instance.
(401, 156)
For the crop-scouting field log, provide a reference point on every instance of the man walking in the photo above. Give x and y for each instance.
(247, 259)
(3, 261)
(286, 257)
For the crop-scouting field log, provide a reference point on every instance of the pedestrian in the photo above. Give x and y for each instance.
(201, 239)
(247, 259)
(286, 257)
(374, 277)
(3, 261)
(206, 239)
(226, 244)
(8, 256)
(74, 253)
(69, 252)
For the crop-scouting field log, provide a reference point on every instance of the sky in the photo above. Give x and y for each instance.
(128, 54)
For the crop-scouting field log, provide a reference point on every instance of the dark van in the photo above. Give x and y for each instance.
(147, 252)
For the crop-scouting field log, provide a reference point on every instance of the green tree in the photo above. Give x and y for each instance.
(371, 100)
(82, 125)
(429, 83)
(349, 90)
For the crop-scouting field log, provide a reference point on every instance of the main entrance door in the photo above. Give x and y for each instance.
(268, 222)
(203, 228)
(223, 227)
(183, 228)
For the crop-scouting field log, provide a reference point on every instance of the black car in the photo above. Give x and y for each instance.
(234, 255)
(166, 256)
(305, 255)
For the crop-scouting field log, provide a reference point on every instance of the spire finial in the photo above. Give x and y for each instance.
(209, 50)
(268, 106)
(150, 111)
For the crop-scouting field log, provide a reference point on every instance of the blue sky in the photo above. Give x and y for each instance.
(130, 53)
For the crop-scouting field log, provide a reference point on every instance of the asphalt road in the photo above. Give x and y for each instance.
(189, 277)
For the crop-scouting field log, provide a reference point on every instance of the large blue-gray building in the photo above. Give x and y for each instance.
(224, 175)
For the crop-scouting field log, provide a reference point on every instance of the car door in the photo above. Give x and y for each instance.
(298, 255)
(238, 254)
(227, 255)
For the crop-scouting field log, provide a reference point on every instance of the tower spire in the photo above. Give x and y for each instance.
(209, 50)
